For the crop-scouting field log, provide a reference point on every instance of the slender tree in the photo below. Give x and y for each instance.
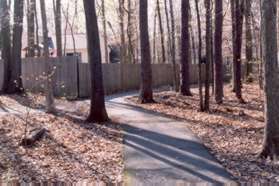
(66, 17)
(172, 42)
(200, 56)
(271, 78)
(6, 42)
(249, 37)
(37, 24)
(146, 92)
(121, 4)
(50, 106)
(71, 24)
(131, 31)
(237, 26)
(154, 50)
(58, 26)
(162, 33)
(185, 49)
(98, 111)
(208, 54)
(31, 28)
(218, 65)
(15, 83)
(104, 22)
(168, 51)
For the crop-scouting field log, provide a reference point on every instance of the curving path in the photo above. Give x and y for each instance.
(162, 151)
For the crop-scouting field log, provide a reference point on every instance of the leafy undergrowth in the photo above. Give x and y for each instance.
(233, 132)
(70, 151)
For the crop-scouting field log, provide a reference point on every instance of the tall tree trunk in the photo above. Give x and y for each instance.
(66, 16)
(6, 42)
(261, 78)
(98, 111)
(249, 37)
(122, 32)
(218, 65)
(72, 24)
(162, 34)
(15, 82)
(257, 36)
(58, 26)
(173, 45)
(185, 49)
(208, 54)
(237, 25)
(195, 57)
(37, 25)
(200, 56)
(146, 92)
(154, 51)
(31, 28)
(130, 33)
(50, 106)
(271, 81)
(212, 75)
(104, 21)
(169, 47)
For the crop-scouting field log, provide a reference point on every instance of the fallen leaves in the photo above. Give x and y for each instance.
(71, 151)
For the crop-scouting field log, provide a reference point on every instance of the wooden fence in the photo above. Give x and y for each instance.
(72, 77)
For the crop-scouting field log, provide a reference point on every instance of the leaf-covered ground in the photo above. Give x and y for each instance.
(233, 132)
(71, 150)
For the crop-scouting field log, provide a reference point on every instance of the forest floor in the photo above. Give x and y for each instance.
(71, 150)
(232, 132)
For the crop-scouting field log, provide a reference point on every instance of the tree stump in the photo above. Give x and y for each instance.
(33, 136)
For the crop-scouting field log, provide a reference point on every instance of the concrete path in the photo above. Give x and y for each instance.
(158, 150)
(162, 151)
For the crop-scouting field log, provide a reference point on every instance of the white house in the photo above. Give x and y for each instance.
(80, 43)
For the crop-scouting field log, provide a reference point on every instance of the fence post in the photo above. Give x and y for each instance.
(121, 76)
(78, 86)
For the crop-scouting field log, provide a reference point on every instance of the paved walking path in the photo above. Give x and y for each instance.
(158, 150)
(162, 151)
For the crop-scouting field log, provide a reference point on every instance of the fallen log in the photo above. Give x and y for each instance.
(33, 136)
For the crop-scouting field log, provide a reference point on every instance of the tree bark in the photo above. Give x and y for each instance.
(249, 37)
(154, 38)
(271, 80)
(122, 32)
(173, 45)
(31, 28)
(162, 34)
(218, 65)
(15, 82)
(170, 53)
(104, 21)
(58, 26)
(6, 43)
(200, 56)
(185, 49)
(50, 106)
(146, 92)
(237, 25)
(208, 54)
(37, 25)
(66, 16)
(98, 111)
(130, 32)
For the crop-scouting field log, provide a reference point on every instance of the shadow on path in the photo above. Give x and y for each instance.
(159, 148)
